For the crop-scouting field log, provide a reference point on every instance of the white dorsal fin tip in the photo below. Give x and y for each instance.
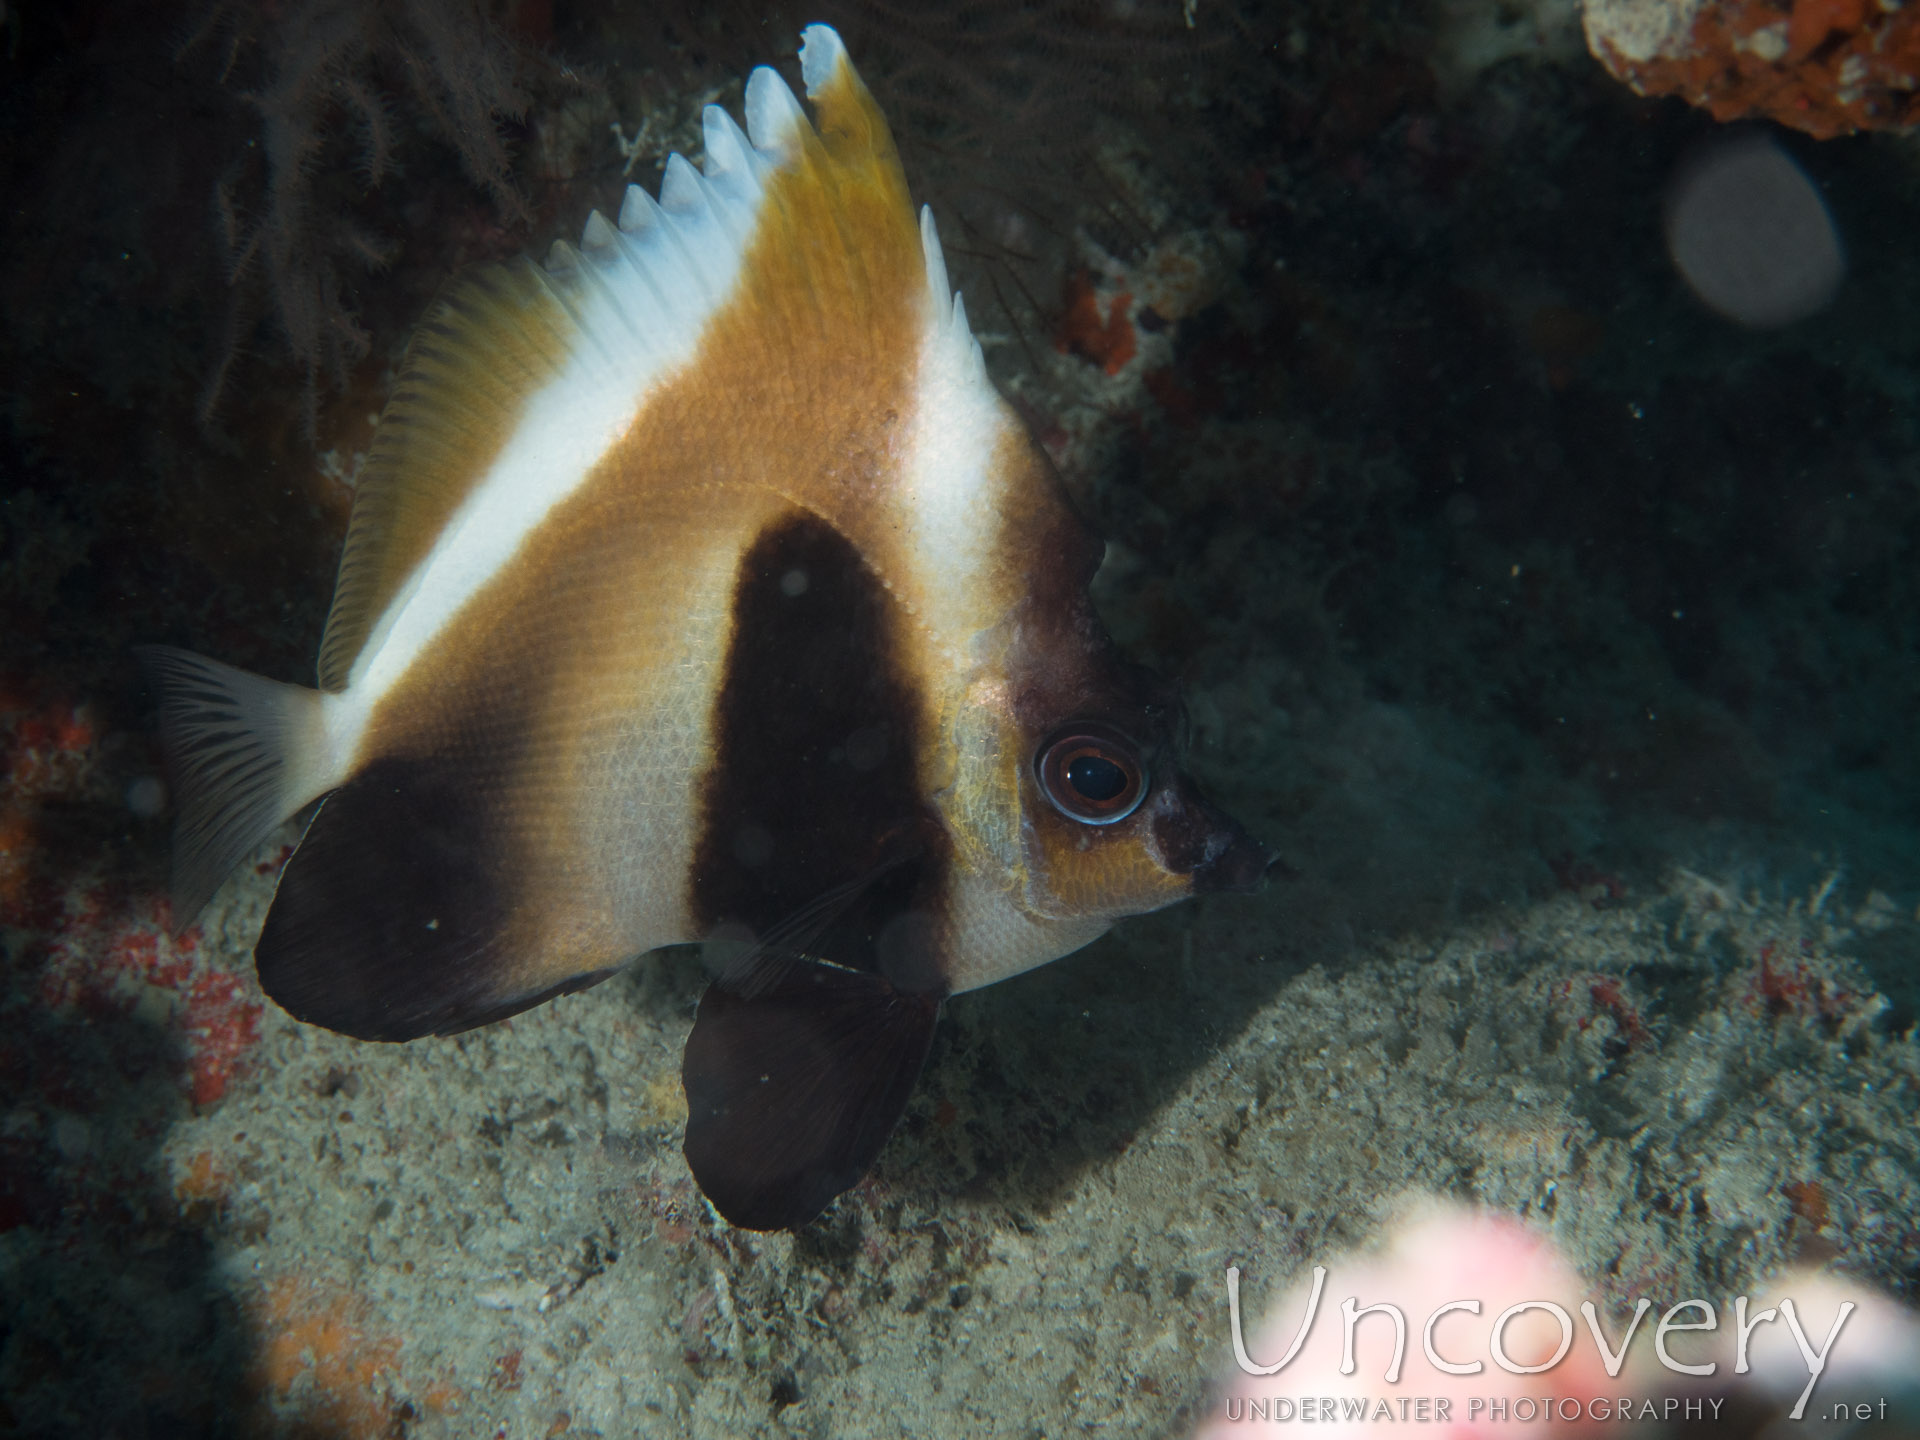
(612, 314)
(773, 115)
(728, 150)
(937, 282)
(821, 53)
(975, 356)
(680, 186)
(636, 210)
(598, 233)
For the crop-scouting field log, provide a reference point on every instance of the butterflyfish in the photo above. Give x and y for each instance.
(700, 587)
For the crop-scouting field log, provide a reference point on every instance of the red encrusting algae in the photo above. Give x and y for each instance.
(1606, 995)
(101, 946)
(1780, 987)
(1826, 67)
(1107, 339)
(221, 1026)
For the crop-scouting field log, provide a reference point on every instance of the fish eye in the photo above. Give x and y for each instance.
(1092, 774)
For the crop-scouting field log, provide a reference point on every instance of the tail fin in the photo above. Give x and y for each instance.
(243, 754)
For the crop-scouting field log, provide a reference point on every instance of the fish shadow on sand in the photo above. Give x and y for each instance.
(1033, 1081)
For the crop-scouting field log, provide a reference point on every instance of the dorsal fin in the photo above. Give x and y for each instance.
(491, 340)
(524, 375)
(622, 310)
(843, 181)
(849, 120)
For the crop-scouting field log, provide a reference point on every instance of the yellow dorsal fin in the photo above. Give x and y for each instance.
(836, 269)
(849, 181)
(493, 339)
(800, 243)
(849, 121)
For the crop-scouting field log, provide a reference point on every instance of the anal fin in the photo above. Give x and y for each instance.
(793, 1090)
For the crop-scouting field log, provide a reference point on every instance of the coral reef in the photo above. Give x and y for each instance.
(1828, 67)
(1095, 330)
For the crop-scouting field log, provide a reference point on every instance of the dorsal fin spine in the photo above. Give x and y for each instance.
(650, 291)
(563, 286)
(937, 284)
(679, 186)
(821, 54)
(597, 233)
(586, 340)
(730, 152)
(691, 262)
(636, 211)
(593, 276)
(686, 195)
(736, 201)
(773, 115)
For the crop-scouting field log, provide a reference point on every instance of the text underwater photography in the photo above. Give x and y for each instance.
(1694, 1315)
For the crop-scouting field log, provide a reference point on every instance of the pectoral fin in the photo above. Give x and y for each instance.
(792, 1091)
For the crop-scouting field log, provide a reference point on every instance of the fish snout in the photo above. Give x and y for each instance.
(1235, 870)
(1207, 845)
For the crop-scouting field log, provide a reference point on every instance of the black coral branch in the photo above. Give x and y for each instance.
(337, 90)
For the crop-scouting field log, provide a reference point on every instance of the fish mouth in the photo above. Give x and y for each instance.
(1207, 845)
(1237, 869)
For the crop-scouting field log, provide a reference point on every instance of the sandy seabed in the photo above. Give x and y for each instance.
(1685, 1090)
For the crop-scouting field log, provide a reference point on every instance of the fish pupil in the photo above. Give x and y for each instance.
(1095, 777)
